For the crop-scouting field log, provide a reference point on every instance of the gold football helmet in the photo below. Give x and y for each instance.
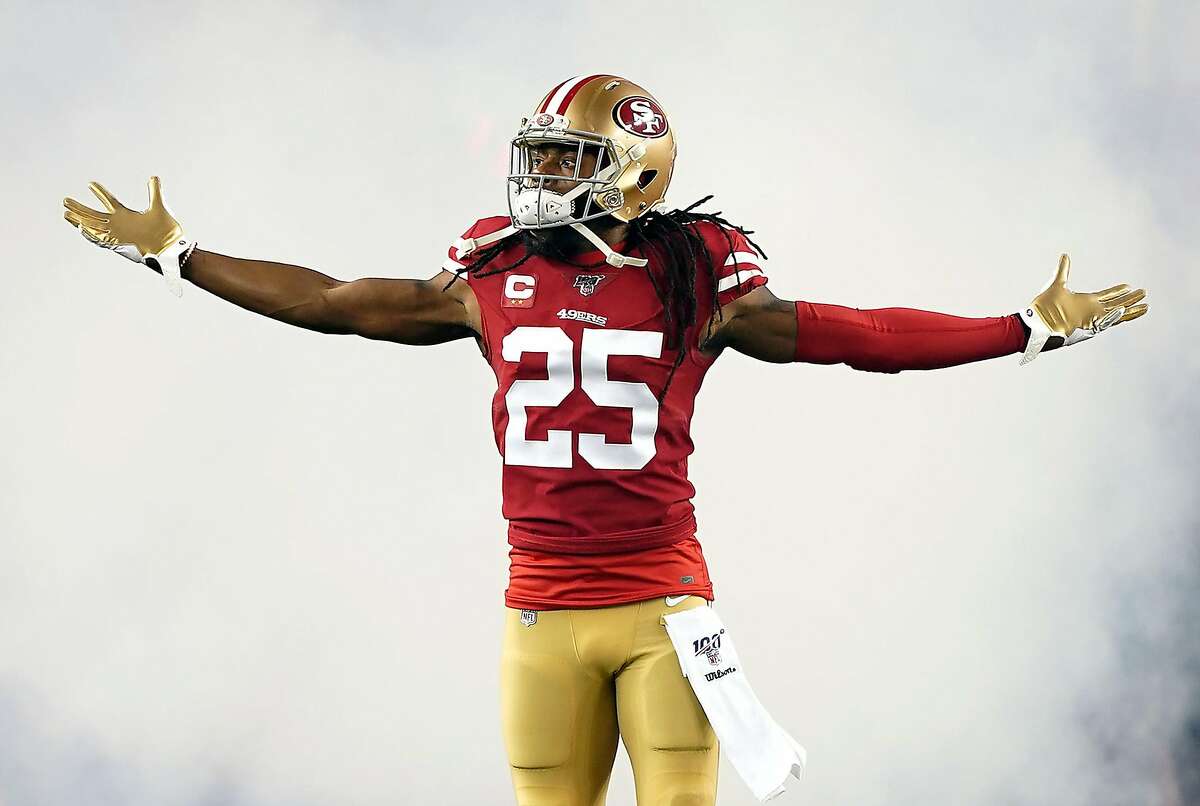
(616, 119)
(634, 146)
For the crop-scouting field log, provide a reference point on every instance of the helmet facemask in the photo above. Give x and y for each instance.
(533, 206)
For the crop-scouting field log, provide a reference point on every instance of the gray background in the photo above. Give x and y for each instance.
(242, 563)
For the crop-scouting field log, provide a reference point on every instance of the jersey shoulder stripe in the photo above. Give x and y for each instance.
(739, 266)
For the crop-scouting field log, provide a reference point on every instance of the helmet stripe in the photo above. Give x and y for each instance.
(569, 93)
(552, 103)
(556, 102)
(550, 95)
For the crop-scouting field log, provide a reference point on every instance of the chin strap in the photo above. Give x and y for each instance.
(465, 246)
(610, 257)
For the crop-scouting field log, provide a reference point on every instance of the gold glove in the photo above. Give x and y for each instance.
(1057, 313)
(152, 237)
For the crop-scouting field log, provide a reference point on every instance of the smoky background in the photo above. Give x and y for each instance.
(241, 563)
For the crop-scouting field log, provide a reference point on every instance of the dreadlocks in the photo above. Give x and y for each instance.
(670, 237)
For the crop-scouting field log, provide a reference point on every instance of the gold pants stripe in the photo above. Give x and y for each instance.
(575, 679)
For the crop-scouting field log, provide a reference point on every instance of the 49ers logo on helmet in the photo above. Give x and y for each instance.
(641, 116)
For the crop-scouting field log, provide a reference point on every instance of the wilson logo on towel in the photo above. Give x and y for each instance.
(711, 676)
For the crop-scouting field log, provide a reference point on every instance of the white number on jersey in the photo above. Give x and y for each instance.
(597, 346)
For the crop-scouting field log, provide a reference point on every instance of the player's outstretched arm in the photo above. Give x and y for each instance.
(404, 311)
(765, 327)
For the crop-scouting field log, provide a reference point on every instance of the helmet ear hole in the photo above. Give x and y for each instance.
(646, 178)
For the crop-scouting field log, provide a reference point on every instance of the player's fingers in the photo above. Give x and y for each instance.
(1113, 291)
(107, 199)
(95, 227)
(99, 230)
(1134, 313)
(92, 233)
(1107, 319)
(84, 211)
(1109, 294)
(155, 191)
(1064, 268)
(1125, 300)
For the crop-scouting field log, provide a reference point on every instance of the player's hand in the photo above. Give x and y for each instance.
(152, 237)
(1067, 317)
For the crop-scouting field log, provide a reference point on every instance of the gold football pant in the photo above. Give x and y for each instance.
(573, 679)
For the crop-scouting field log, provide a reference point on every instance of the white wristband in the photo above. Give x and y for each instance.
(169, 263)
(1039, 334)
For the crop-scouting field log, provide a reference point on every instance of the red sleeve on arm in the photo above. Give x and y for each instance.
(895, 339)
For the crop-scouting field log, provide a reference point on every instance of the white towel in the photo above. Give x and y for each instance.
(761, 751)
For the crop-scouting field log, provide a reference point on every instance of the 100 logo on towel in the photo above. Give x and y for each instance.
(710, 647)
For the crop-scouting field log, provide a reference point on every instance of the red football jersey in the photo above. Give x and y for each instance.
(595, 485)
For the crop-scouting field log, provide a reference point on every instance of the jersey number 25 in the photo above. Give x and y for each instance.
(597, 346)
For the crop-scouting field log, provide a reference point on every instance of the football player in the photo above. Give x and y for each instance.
(600, 311)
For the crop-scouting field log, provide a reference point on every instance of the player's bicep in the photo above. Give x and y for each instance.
(758, 324)
(403, 311)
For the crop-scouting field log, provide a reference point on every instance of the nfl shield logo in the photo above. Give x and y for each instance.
(528, 618)
(587, 283)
